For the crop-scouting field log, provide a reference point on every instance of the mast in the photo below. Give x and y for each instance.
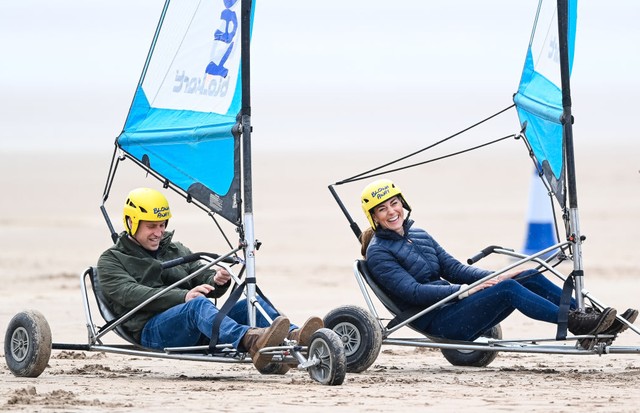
(567, 126)
(245, 114)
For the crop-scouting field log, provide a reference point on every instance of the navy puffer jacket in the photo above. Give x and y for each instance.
(414, 270)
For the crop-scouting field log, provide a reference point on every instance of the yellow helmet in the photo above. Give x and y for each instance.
(378, 192)
(144, 204)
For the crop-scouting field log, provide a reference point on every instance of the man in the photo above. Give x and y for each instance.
(131, 271)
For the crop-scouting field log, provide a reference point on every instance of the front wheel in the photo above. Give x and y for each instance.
(474, 358)
(327, 348)
(27, 344)
(359, 333)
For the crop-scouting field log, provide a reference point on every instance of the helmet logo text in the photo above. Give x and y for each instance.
(380, 192)
(162, 212)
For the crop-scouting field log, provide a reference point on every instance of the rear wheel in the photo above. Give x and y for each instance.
(359, 333)
(27, 344)
(474, 358)
(327, 348)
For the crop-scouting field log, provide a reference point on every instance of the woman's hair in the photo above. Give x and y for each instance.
(365, 239)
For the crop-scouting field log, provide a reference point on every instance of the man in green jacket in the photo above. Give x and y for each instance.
(131, 271)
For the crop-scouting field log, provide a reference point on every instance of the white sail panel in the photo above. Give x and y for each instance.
(182, 122)
(193, 58)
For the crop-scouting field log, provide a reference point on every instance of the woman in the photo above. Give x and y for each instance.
(416, 272)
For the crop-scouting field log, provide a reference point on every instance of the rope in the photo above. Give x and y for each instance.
(369, 173)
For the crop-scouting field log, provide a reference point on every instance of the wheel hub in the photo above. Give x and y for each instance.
(19, 344)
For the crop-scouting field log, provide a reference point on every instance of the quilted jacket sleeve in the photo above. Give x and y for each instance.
(401, 286)
(455, 271)
(414, 269)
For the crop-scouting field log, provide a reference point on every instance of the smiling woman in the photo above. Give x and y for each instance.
(416, 272)
(389, 205)
(390, 215)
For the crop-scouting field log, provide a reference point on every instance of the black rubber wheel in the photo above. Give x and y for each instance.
(27, 344)
(474, 358)
(327, 347)
(360, 334)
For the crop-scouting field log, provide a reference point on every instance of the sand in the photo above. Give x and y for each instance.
(51, 230)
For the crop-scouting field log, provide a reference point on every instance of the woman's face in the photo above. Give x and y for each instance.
(390, 215)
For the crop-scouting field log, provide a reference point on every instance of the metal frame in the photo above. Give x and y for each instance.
(523, 345)
(573, 244)
(288, 353)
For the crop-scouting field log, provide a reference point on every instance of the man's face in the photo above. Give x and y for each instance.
(149, 234)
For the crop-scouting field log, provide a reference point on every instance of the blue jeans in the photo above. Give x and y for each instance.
(530, 293)
(190, 324)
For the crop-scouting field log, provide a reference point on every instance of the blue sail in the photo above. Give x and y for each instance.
(182, 122)
(539, 97)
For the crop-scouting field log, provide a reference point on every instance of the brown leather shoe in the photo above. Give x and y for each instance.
(303, 334)
(256, 339)
(275, 368)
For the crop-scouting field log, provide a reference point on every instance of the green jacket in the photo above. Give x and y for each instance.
(129, 275)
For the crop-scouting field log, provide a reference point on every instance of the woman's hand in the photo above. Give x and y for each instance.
(494, 281)
(486, 284)
(508, 275)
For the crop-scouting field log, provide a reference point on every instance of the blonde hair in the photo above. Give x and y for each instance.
(365, 239)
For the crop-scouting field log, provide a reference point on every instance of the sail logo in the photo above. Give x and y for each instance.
(204, 85)
(553, 52)
(214, 81)
(230, 19)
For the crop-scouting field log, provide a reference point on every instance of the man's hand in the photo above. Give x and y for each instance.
(200, 290)
(222, 276)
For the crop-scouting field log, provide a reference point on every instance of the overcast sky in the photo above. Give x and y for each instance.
(324, 74)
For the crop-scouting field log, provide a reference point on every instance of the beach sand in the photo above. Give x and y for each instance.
(51, 230)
